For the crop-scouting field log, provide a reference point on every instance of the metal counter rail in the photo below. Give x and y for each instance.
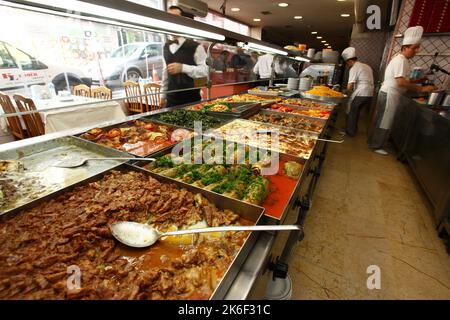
(270, 255)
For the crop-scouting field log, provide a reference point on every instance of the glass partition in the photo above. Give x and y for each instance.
(44, 55)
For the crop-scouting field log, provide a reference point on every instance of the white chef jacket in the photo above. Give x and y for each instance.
(361, 76)
(398, 67)
(195, 72)
(264, 66)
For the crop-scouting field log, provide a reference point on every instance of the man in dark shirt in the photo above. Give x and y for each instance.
(186, 61)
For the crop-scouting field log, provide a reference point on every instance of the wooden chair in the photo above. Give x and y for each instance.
(14, 122)
(152, 93)
(101, 93)
(82, 90)
(33, 121)
(134, 97)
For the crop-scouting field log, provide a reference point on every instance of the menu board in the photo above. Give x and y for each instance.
(432, 15)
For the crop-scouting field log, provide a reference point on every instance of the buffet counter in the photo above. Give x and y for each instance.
(263, 255)
(421, 134)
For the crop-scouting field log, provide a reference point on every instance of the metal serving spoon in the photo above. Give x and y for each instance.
(73, 163)
(139, 235)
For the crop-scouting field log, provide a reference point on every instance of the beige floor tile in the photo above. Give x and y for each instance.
(368, 210)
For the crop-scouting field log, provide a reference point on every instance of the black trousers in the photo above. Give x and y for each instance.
(358, 104)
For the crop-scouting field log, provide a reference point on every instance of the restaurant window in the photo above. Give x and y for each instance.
(6, 60)
(26, 62)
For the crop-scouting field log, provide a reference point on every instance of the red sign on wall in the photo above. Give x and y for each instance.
(432, 15)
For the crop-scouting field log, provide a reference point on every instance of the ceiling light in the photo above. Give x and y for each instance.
(235, 9)
(256, 19)
(323, 41)
(345, 15)
(298, 17)
(259, 47)
(81, 7)
(341, 0)
(319, 37)
(326, 44)
(329, 47)
(313, 32)
(283, 4)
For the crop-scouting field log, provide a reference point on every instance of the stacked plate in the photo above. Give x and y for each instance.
(305, 84)
(293, 83)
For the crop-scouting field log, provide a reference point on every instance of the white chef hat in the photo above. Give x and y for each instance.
(349, 53)
(412, 35)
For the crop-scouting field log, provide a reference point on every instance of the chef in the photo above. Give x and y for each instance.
(360, 85)
(396, 83)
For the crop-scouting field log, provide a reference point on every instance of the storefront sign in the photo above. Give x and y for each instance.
(377, 15)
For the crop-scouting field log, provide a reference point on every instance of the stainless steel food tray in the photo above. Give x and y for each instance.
(130, 123)
(282, 156)
(335, 100)
(323, 122)
(243, 109)
(224, 118)
(313, 136)
(39, 159)
(245, 210)
(327, 105)
(298, 108)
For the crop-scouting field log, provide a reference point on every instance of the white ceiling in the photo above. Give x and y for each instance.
(280, 27)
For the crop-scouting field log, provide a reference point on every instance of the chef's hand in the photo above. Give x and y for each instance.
(174, 68)
(428, 89)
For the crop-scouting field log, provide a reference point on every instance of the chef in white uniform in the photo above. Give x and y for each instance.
(396, 83)
(360, 85)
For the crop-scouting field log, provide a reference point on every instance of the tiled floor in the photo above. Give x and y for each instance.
(368, 210)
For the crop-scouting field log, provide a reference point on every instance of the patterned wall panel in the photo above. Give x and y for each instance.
(430, 45)
(370, 50)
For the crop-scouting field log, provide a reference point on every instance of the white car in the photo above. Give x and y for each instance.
(19, 70)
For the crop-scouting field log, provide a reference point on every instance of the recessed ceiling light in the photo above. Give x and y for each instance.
(298, 17)
(235, 9)
(283, 4)
(323, 41)
(313, 32)
(345, 15)
(319, 37)
(256, 19)
(329, 47)
(341, 0)
(326, 44)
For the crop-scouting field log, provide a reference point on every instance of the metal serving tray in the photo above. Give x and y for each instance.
(224, 118)
(39, 158)
(334, 100)
(129, 123)
(243, 109)
(278, 216)
(247, 211)
(292, 115)
(314, 136)
(299, 108)
(325, 105)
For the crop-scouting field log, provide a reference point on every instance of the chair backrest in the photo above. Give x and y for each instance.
(134, 97)
(14, 122)
(152, 93)
(82, 90)
(101, 93)
(33, 121)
